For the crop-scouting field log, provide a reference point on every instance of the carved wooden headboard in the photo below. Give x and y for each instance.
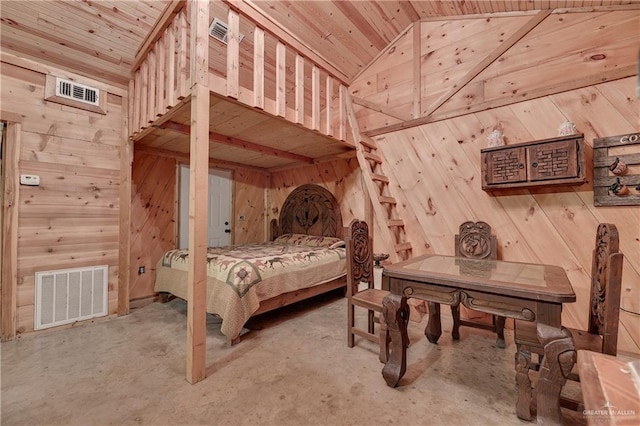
(310, 209)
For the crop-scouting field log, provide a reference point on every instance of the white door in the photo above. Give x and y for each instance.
(219, 228)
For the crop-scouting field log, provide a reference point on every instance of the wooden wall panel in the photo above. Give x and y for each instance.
(249, 188)
(438, 167)
(72, 218)
(435, 161)
(153, 218)
(475, 64)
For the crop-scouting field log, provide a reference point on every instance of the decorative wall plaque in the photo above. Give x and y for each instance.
(614, 185)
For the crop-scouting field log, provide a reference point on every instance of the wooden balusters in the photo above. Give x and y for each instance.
(296, 92)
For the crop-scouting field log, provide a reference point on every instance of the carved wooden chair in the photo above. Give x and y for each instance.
(475, 241)
(360, 273)
(604, 312)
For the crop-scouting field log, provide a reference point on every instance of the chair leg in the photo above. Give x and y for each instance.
(499, 324)
(385, 339)
(350, 324)
(370, 322)
(455, 330)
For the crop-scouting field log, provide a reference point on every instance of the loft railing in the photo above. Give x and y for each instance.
(263, 73)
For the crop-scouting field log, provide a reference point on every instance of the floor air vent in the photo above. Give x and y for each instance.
(68, 295)
(77, 92)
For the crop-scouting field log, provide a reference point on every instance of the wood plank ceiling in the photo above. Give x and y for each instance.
(99, 39)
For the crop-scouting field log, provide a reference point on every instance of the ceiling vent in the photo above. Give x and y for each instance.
(77, 92)
(219, 30)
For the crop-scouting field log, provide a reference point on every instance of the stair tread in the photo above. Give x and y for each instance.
(372, 156)
(395, 222)
(369, 144)
(379, 177)
(387, 200)
(402, 246)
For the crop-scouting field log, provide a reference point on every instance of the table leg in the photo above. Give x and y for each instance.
(384, 341)
(500, 331)
(559, 358)
(455, 314)
(434, 326)
(523, 365)
(396, 315)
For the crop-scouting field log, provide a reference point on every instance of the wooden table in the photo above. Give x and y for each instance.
(523, 291)
(610, 389)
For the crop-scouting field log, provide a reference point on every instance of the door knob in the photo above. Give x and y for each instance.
(228, 231)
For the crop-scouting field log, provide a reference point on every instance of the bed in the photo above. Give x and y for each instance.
(305, 257)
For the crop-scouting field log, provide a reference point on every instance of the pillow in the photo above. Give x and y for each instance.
(337, 244)
(310, 240)
(284, 239)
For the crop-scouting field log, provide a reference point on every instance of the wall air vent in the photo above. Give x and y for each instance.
(219, 30)
(77, 92)
(69, 295)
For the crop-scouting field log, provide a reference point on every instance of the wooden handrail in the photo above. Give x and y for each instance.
(170, 11)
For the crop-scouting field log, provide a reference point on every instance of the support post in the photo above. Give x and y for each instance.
(198, 190)
(124, 249)
(9, 260)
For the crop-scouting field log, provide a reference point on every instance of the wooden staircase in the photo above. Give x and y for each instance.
(377, 185)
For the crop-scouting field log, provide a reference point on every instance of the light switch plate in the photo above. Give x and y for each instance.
(31, 180)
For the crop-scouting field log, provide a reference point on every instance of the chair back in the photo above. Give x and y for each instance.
(359, 256)
(606, 285)
(474, 240)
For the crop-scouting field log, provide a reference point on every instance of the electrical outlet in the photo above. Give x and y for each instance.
(141, 270)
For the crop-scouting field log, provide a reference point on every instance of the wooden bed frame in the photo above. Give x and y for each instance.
(312, 210)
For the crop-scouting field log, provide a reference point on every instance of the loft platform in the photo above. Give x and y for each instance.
(270, 107)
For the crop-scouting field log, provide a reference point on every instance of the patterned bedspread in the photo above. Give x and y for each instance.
(239, 277)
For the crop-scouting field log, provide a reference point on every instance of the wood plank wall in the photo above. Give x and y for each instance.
(154, 214)
(72, 218)
(437, 165)
(153, 218)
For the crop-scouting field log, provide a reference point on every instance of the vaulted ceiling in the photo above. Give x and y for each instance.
(100, 38)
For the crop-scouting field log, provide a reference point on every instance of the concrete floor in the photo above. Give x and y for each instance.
(296, 370)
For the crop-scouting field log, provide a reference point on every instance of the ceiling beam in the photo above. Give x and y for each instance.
(379, 108)
(183, 157)
(239, 143)
(591, 80)
(493, 56)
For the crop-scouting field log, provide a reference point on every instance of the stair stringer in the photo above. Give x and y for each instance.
(419, 240)
(377, 185)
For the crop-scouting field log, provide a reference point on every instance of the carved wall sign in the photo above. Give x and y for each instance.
(555, 161)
